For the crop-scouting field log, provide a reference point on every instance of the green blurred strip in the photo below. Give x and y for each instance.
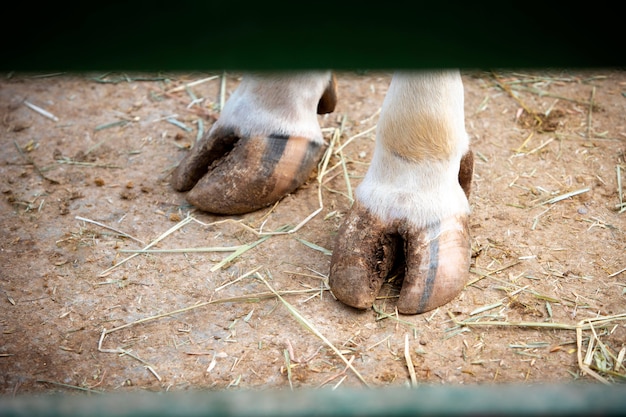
(510, 400)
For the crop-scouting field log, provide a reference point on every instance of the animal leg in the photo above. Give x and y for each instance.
(264, 145)
(413, 202)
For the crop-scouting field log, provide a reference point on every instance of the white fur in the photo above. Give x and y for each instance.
(394, 188)
(277, 103)
(420, 140)
(420, 189)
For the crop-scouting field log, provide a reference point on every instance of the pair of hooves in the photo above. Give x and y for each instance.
(256, 172)
(226, 173)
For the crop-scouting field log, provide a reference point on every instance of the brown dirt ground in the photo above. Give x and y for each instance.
(107, 159)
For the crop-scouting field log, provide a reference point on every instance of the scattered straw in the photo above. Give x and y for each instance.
(409, 361)
(543, 93)
(343, 378)
(69, 161)
(538, 148)
(598, 359)
(378, 343)
(288, 367)
(520, 148)
(119, 232)
(153, 372)
(250, 298)
(346, 177)
(247, 274)
(382, 315)
(315, 247)
(238, 250)
(242, 249)
(604, 360)
(532, 324)
(482, 275)
(35, 166)
(340, 374)
(60, 384)
(200, 133)
(185, 250)
(111, 124)
(111, 78)
(486, 308)
(589, 112)
(309, 326)
(192, 84)
(566, 196)
(178, 123)
(504, 86)
(222, 90)
(621, 206)
(174, 228)
(351, 138)
(41, 111)
(538, 216)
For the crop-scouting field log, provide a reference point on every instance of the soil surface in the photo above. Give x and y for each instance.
(88, 180)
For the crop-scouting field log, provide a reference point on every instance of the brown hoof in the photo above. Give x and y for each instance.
(238, 175)
(226, 173)
(436, 258)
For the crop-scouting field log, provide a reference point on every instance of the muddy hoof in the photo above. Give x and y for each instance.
(226, 174)
(233, 170)
(436, 259)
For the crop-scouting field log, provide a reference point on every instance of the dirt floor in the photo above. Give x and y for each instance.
(88, 180)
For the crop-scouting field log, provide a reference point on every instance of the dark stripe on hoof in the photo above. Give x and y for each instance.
(257, 172)
(433, 265)
(437, 265)
(436, 260)
(273, 152)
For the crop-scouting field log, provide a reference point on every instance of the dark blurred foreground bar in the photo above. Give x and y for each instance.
(214, 35)
(510, 400)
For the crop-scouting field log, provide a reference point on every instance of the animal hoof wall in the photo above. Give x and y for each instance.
(434, 260)
(238, 176)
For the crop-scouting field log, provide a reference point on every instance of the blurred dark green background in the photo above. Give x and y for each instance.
(231, 34)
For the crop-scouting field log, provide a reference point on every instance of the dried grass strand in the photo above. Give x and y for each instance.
(119, 232)
(309, 326)
(192, 84)
(250, 298)
(585, 324)
(409, 361)
(41, 111)
(35, 166)
(168, 232)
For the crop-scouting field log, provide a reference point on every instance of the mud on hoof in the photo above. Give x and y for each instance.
(247, 161)
(436, 259)
(226, 174)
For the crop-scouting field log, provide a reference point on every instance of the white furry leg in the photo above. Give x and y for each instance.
(420, 141)
(412, 203)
